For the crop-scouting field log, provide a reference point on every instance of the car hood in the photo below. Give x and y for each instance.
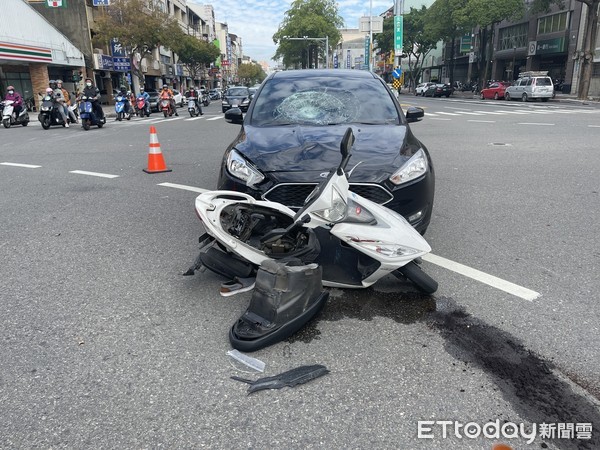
(300, 150)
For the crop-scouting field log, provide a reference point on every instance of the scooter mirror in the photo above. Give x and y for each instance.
(346, 148)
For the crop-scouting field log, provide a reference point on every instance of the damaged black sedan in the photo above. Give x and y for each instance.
(290, 139)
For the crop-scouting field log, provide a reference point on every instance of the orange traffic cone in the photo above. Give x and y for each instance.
(156, 162)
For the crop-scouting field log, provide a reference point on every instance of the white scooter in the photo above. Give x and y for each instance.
(354, 240)
(10, 118)
(337, 239)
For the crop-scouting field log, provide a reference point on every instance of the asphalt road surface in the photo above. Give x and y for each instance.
(104, 344)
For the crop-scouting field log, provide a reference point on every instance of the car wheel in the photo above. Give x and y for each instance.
(524, 97)
(507, 96)
(481, 96)
(496, 96)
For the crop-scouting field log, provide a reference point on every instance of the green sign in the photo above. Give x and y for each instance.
(367, 51)
(466, 43)
(398, 25)
(556, 45)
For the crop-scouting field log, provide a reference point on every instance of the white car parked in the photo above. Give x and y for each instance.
(421, 88)
(531, 86)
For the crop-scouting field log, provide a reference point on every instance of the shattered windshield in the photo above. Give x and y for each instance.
(324, 101)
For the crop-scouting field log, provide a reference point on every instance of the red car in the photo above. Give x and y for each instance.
(494, 90)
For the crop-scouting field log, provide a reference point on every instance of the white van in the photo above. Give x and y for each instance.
(531, 85)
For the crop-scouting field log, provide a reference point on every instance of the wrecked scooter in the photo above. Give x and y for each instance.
(352, 240)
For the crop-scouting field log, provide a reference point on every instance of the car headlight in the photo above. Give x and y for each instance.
(414, 168)
(338, 209)
(242, 169)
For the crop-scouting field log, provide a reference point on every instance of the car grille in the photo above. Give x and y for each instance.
(293, 194)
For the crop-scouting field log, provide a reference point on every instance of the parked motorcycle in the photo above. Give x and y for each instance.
(205, 98)
(9, 117)
(165, 107)
(194, 107)
(353, 240)
(49, 113)
(87, 114)
(142, 106)
(120, 102)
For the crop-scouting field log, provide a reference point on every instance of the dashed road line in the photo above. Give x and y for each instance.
(481, 121)
(536, 123)
(184, 187)
(215, 118)
(94, 174)
(27, 166)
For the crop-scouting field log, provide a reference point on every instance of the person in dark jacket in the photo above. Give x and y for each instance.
(93, 93)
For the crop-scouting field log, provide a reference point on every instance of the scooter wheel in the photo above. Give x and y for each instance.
(46, 123)
(165, 113)
(85, 123)
(420, 279)
(6, 123)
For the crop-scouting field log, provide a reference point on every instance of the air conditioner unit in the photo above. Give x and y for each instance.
(155, 65)
(144, 65)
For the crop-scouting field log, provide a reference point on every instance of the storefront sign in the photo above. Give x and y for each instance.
(122, 64)
(556, 45)
(20, 52)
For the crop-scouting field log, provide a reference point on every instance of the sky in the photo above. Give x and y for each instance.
(256, 21)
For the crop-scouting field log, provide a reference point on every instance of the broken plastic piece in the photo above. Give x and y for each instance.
(291, 378)
(249, 361)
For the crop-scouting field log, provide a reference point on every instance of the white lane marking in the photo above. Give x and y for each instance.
(481, 121)
(594, 126)
(490, 280)
(94, 174)
(216, 118)
(193, 118)
(470, 113)
(27, 166)
(430, 114)
(184, 187)
(439, 118)
(447, 113)
(491, 112)
(512, 112)
(534, 123)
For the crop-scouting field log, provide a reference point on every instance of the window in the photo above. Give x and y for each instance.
(554, 23)
(513, 37)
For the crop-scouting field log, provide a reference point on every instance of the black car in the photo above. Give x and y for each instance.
(439, 90)
(153, 100)
(291, 138)
(236, 96)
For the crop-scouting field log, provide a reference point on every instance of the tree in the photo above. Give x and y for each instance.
(444, 22)
(140, 28)
(311, 19)
(195, 54)
(251, 73)
(590, 33)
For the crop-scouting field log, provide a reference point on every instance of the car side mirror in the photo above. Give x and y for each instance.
(234, 115)
(414, 114)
